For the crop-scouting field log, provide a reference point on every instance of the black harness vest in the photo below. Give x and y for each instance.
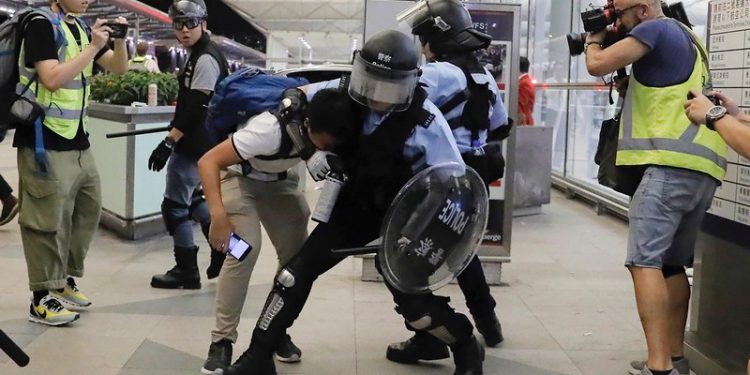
(379, 168)
(196, 142)
(478, 98)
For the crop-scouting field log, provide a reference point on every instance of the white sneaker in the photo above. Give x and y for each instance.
(50, 312)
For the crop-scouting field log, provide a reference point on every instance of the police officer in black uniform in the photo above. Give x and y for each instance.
(402, 133)
(468, 97)
(185, 144)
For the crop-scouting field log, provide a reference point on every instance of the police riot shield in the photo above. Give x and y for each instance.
(433, 228)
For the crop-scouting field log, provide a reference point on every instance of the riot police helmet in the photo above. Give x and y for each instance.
(188, 10)
(445, 24)
(385, 72)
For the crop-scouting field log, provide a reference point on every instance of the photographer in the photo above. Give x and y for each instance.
(59, 185)
(734, 128)
(683, 165)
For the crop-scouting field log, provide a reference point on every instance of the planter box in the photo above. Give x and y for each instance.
(131, 194)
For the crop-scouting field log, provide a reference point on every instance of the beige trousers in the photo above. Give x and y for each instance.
(283, 211)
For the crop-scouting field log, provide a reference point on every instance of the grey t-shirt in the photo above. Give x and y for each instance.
(206, 74)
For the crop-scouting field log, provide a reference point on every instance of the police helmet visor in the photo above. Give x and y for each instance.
(419, 17)
(190, 23)
(380, 88)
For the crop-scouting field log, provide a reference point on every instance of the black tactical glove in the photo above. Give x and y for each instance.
(160, 155)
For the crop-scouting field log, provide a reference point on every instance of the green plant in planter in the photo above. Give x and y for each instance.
(133, 87)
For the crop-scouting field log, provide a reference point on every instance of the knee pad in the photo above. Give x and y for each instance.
(669, 271)
(437, 318)
(174, 214)
(285, 280)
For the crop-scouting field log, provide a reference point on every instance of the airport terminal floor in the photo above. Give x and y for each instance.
(566, 305)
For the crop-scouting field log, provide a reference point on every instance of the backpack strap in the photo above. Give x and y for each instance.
(707, 84)
(286, 148)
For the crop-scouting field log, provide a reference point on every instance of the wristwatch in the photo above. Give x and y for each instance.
(714, 114)
(169, 142)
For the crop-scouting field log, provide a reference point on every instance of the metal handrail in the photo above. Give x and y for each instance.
(573, 86)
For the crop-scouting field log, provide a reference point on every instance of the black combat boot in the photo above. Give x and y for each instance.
(468, 357)
(251, 363)
(421, 346)
(489, 326)
(183, 275)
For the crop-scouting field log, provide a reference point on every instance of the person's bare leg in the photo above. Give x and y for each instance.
(679, 302)
(652, 298)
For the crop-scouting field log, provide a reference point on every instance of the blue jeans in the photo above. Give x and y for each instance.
(184, 191)
(665, 215)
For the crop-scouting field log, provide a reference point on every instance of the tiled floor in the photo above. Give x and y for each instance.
(566, 306)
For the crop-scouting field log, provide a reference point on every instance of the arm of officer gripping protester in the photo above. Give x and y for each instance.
(601, 61)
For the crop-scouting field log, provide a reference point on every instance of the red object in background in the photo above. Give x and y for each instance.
(501, 86)
(526, 98)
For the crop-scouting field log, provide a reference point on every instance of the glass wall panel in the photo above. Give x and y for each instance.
(588, 108)
(551, 109)
(550, 61)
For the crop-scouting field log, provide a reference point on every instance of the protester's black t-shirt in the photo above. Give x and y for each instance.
(39, 45)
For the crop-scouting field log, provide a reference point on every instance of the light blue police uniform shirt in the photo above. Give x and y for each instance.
(426, 146)
(443, 80)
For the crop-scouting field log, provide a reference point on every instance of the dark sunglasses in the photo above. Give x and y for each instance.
(189, 23)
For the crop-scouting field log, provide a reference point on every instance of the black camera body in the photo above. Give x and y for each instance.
(594, 21)
(599, 19)
(119, 30)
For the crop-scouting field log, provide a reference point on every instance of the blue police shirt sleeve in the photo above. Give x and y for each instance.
(432, 145)
(317, 86)
(442, 81)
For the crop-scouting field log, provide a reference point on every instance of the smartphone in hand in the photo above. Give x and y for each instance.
(238, 248)
(119, 30)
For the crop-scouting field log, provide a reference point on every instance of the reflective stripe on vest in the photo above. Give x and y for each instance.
(655, 130)
(65, 108)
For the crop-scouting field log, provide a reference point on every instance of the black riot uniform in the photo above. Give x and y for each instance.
(378, 164)
(473, 108)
